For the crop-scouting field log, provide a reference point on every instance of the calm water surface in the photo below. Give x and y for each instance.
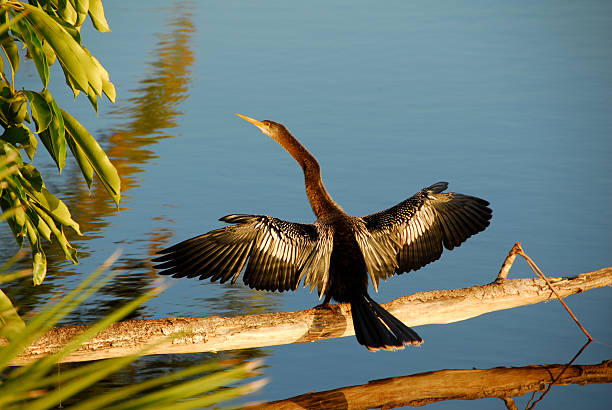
(507, 101)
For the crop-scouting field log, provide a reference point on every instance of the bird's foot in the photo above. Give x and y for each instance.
(324, 305)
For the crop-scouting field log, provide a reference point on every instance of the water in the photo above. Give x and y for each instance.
(507, 101)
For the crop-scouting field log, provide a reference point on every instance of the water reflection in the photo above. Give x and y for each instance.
(422, 389)
(239, 300)
(148, 116)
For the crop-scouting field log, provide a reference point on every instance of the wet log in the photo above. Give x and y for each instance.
(211, 334)
(463, 384)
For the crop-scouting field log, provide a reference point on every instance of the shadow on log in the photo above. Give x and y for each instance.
(211, 334)
(431, 387)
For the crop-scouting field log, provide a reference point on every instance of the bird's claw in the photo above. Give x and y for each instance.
(324, 305)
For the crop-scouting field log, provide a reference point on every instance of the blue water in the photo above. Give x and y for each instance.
(508, 101)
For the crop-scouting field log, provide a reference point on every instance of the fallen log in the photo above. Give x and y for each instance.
(462, 384)
(211, 334)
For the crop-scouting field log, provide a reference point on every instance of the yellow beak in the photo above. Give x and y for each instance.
(253, 121)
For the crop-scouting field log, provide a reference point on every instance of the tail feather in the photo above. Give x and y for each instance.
(376, 328)
(394, 324)
(371, 332)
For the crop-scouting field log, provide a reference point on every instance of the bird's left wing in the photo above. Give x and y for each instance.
(411, 234)
(279, 254)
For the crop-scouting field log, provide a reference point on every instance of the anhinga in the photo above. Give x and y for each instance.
(337, 252)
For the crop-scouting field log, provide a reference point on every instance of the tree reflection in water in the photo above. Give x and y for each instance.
(505, 383)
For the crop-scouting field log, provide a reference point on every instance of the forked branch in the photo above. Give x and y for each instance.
(517, 249)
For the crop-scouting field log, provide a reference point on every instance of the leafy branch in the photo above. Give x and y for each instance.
(50, 32)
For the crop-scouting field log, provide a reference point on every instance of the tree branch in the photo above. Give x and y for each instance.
(211, 334)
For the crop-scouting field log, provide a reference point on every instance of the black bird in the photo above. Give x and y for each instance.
(336, 252)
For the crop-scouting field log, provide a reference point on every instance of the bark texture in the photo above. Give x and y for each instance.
(211, 334)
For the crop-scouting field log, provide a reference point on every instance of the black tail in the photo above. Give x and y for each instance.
(376, 328)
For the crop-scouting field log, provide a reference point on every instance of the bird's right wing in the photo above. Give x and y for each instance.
(279, 254)
(411, 234)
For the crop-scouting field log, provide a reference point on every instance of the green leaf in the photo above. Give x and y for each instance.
(53, 206)
(56, 132)
(96, 13)
(39, 223)
(97, 372)
(11, 50)
(82, 6)
(30, 149)
(35, 48)
(16, 187)
(14, 107)
(209, 382)
(39, 266)
(11, 323)
(41, 111)
(19, 231)
(74, 59)
(109, 90)
(67, 12)
(62, 4)
(81, 70)
(39, 260)
(45, 137)
(11, 151)
(10, 201)
(95, 79)
(70, 82)
(10, 161)
(29, 172)
(69, 251)
(20, 216)
(93, 99)
(70, 29)
(128, 392)
(16, 134)
(49, 53)
(86, 168)
(107, 87)
(97, 157)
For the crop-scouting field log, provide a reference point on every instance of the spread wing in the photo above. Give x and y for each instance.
(411, 234)
(277, 254)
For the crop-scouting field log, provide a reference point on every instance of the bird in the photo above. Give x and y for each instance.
(336, 254)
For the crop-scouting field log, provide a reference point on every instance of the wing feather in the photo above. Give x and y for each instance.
(277, 254)
(240, 258)
(413, 233)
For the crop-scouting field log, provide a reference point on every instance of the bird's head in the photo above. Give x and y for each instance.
(270, 128)
(279, 133)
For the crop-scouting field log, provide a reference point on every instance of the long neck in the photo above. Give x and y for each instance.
(321, 202)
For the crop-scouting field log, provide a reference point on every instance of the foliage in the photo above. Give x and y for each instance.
(50, 31)
(38, 385)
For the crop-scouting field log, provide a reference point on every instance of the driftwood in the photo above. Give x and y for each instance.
(211, 334)
(469, 384)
